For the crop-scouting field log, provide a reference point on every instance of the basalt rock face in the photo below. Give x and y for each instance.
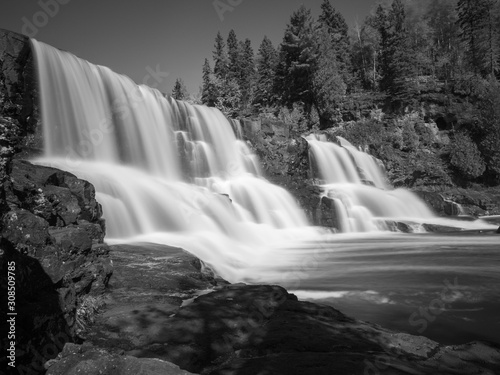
(285, 162)
(54, 233)
(19, 116)
(51, 231)
(75, 360)
(452, 202)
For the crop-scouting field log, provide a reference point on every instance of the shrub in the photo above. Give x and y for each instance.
(465, 157)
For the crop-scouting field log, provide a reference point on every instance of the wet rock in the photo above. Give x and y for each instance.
(400, 226)
(76, 359)
(435, 228)
(327, 213)
(434, 200)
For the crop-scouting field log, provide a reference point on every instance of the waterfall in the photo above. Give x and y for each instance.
(169, 172)
(164, 170)
(355, 180)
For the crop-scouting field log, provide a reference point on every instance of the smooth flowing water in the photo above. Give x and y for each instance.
(445, 286)
(178, 174)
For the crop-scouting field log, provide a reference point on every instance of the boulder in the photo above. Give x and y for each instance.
(85, 359)
(28, 232)
(254, 329)
(72, 240)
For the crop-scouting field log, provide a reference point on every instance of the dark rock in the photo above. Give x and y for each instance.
(29, 233)
(250, 128)
(252, 329)
(440, 228)
(150, 282)
(72, 240)
(399, 226)
(327, 215)
(498, 230)
(76, 359)
(59, 197)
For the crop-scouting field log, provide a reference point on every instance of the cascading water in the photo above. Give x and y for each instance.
(178, 174)
(164, 171)
(356, 182)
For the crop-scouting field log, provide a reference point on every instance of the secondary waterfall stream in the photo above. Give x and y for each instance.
(173, 173)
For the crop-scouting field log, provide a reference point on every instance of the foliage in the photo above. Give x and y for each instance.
(87, 309)
(267, 59)
(296, 61)
(179, 91)
(478, 20)
(328, 87)
(228, 96)
(336, 27)
(221, 62)
(294, 116)
(487, 128)
(465, 157)
(208, 90)
(247, 73)
(408, 60)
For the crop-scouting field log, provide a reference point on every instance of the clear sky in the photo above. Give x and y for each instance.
(137, 37)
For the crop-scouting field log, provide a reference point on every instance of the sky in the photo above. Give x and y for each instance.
(159, 39)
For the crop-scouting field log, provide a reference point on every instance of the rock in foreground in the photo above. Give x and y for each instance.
(254, 329)
(75, 360)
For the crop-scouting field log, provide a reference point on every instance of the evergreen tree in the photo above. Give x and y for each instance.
(220, 58)
(180, 92)
(381, 23)
(208, 89)
(228, 99)
(328, 85)
(247, 69)
(296, 61)
(397, 72)
(234, 55)
(339, 34)
(444, 41)
(478, 20)
(266, 65)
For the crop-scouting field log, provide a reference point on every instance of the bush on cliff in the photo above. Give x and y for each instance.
(465, 157)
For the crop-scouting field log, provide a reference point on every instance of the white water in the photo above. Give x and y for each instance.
(164, 171)
(173, 173)
(364, 200)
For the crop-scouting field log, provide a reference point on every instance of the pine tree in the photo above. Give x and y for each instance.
(397, 73)
(444, 42)
(220, 58)
(247, 69)
(339, 33)
(234, 54)
(296, 61)
(328, 85)
(267, 59)
(208, 89)
(180, 92)
(478, 20)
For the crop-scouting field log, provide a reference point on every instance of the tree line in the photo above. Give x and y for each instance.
(397, 49)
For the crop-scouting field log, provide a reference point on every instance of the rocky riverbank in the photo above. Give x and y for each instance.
(164, 303)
